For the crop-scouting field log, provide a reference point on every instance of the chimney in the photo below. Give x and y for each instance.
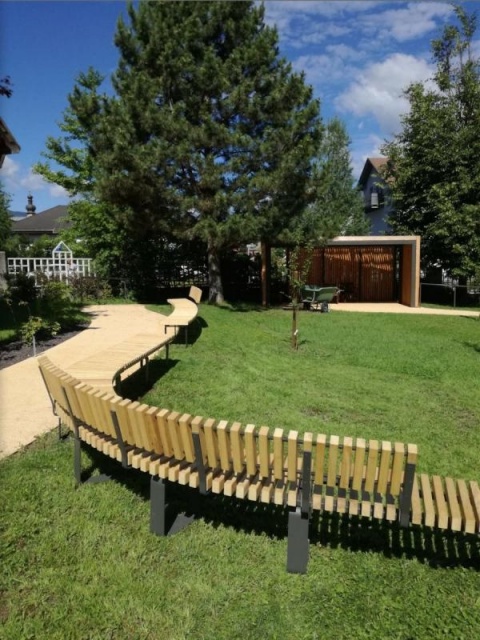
(30, 208)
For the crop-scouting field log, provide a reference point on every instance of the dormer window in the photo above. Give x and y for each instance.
(376, 197)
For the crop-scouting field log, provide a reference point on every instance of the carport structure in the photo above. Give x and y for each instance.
(366, 268)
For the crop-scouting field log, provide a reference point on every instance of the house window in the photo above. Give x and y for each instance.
(376, 197)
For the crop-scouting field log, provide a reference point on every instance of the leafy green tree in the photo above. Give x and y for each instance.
(5, 220)
(210, 135)
(434, 163)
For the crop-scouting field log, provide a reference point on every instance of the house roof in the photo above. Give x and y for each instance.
(47, 222)
(371, 164)
(8, 144)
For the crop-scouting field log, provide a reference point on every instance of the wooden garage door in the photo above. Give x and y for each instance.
(367, 273)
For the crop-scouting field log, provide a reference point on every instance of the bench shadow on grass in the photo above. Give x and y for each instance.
(433, 547)
(138, 383)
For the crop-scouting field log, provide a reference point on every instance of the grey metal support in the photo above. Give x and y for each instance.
(157, 506)
(298, 542)
(158, 509)
(120, 442)
(77, 462)
(405, 501)
(306, 482)
(70, 413)
(202, 476)
(52, 401)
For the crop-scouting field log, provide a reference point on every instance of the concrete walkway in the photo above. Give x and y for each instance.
(395, 307)
(25, 410)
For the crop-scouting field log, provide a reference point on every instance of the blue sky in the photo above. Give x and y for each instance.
(358, 56)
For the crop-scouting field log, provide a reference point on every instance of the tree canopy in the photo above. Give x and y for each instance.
(208, 136)
(210, 133)
(434, 162)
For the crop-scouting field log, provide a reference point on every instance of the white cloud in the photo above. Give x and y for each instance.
(9, 169)
(18, 180)
(378, 90)
(413, 21)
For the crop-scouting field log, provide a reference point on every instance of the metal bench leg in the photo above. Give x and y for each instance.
(158, 507)
(298, 543)
(406, 496)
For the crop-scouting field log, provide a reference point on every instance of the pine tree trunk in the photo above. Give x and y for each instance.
(215, 295)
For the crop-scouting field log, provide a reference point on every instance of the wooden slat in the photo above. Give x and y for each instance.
(292, 466)
(416, 503)
(381, 485)
(237, 459)
(383, 473)
(428, 505)
(333, 444)
(153, 432)
(186, 437)
(238, 453)
(397, 468)
(372, 459)
(475, 495)
(250, 457)
(85, 408)
(264, 452)
(123, 421)
(440, 502)
(332, 461)
(174, 433)
(278, 467)
(320, 458)
(345, 475)
(319, 472)
(211, 442)
(224, 445)
(453, 506)
(138, 415)
(371, 465)
(163, 433)
(132, 424)
(358, 466)
(250, 450)
(345, 468)
(468, 518)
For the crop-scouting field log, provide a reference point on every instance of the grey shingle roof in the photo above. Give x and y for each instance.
(51, 221)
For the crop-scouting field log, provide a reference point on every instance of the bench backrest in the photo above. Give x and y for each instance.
(195, 294)
(316, 471)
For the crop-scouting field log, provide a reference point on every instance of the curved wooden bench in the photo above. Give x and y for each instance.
(361, 478)
(185, 310)
(105, 368)
(313, 473)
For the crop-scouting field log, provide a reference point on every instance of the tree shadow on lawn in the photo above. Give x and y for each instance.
(435, 547)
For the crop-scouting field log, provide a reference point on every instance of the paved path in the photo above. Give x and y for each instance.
(25, 410)
(395, 307)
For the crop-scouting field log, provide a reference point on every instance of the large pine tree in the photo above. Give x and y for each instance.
(210, 134)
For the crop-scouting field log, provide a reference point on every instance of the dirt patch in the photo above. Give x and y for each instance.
(16, 351)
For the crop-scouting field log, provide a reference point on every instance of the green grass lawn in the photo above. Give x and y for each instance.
(82, 563)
